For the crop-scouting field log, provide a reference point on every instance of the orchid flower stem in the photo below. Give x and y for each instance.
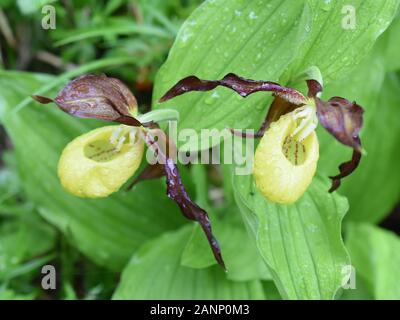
(159, 116)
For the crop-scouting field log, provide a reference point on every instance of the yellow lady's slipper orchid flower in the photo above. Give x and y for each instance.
(284, 164)
(90, 165)
(286, 158)
(98, 163)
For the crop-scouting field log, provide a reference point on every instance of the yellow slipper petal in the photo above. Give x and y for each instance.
(284, 167)
(99, 162)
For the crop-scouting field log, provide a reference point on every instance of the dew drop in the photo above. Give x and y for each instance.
(327, 5)
(253, 16)
(215, 95)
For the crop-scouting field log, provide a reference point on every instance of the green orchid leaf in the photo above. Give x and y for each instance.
(263, 40)
(359, 290)
(238, 37)
(376, 257)
(22, 240)
(242, 260)
(300, 243)
(342, 33)
(107, 230)
(271, 292)
(176, 281)
(389, 46)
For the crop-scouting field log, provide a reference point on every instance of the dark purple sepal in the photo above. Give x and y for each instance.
(151, 172)
(98, 97)
(42, 100)
(177, 192)
(346, 169)
(242, 86)
(343, 119)
(314, 88)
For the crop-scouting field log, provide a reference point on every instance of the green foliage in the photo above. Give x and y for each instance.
(301, 243)
(238, 250)
(275, 41)
(389, 46)
(271, 251)
(26, 241)
(31, 6)
(376, 257)
(171, 280)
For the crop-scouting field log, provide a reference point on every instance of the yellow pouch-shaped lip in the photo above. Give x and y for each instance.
(283, 167)
(91, 166)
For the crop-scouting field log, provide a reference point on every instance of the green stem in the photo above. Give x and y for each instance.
(159, 116)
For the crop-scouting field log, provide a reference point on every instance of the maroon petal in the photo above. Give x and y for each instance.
(152, 171)
(346, 169)
(98, 97)
(129, 121)
(314, 87)
(42, 100)
(278, 108)
(242, 86)
(341, 118)
(177, 192)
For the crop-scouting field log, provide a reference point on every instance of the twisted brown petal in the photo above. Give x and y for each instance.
(177, 192)
(344, 120)
(314, 87)
(341, 118)
(242, 86)
(152, 171)
(346, 169)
